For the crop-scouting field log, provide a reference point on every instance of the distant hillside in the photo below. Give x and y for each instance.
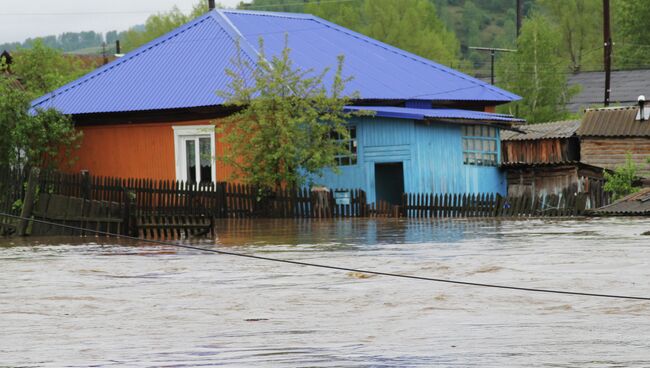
(86, 42)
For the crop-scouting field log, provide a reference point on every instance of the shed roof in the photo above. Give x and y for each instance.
(614, 122)
(632, 205)
(626, 86)
(186, 67)
(425, 114)
(553, 130)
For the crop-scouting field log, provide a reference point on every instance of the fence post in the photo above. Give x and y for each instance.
(28, 202)
(86, 190)
(128, 219)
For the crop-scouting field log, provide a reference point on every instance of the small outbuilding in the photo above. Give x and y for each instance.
(608, 135)
(545, 159)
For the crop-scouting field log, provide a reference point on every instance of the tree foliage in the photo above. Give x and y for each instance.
(537, 73)
(412, 25)
(579, 23)
(631, 47)
(159, 24)
(622, 181)
(42, 69)
(41, 138)
(282, 134)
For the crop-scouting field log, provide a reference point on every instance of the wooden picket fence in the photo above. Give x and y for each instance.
(163, 209)
(12, 191)
(218, 200)
(492, 205)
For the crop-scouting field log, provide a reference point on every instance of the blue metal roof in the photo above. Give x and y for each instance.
(186, 67)
(422, 114)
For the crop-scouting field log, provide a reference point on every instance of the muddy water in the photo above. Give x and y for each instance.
(96, 302)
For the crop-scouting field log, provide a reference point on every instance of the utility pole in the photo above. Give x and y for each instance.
(104, 56)
(493, 51)
(520, 15)
(607, 38)
(211, 5)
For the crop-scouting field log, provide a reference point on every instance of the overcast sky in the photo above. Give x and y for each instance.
(20, 19)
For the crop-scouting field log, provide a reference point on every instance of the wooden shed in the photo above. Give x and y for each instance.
(608, 135)
(545, 159)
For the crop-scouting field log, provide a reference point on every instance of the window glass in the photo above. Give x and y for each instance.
(480, 145)
(190, 159)
(350, 146)
(205, 160)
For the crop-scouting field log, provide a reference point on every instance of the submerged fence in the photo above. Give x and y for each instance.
(162, 207)
(12, 192)
(218, 200)
(492, 205)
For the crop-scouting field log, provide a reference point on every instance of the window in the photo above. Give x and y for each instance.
(480, 145)
(194, 148)
(350, 145)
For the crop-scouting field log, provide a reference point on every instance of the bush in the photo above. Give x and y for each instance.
(622, 181)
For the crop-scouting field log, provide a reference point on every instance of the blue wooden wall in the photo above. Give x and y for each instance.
(432, 157)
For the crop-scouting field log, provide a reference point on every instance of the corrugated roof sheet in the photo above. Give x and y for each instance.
(558, 129)
(614, 122)
(626, 86)
(632, 205)
(423, 114)
(186, 67)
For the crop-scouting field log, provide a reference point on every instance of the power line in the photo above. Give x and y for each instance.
(337, 268)
(158, 11)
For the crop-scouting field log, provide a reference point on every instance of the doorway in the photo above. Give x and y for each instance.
(389, 182)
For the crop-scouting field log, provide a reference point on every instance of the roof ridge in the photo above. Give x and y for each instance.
(117, 62)
(269, 13)
(423, 60)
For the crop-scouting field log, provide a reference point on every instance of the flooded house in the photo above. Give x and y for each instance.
(151, 113)
(545, 159)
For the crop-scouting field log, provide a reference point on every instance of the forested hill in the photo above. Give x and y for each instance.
(88, 42)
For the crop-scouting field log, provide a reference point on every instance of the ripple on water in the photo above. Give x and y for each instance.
(99, 302)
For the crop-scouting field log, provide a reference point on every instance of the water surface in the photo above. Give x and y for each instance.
(78, 302)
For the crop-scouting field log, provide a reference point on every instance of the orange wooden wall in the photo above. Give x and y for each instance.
(142, 150)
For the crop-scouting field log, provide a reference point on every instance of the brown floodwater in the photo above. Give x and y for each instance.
(79, 302)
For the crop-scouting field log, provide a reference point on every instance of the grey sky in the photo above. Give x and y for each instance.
(20, 19)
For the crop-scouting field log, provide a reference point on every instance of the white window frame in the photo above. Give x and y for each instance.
(182, 132)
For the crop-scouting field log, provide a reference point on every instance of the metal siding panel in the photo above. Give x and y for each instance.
(433, 163)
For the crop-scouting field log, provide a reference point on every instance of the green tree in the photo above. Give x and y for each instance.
(159, 24)
(41, 138)
(282, 134)
(42, 69)
(580, 25)
(622, 181)
(631, 46)
(412, 25)
(537, 73)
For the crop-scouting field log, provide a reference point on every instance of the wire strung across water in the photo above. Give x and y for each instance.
(338, 268)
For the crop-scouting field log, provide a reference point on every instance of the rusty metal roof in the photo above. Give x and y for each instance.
(614, 122)
(558, 129)
(632, 205)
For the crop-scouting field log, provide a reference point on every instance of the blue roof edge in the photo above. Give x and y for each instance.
(412, 113)
(509, 95)
(130, 55)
